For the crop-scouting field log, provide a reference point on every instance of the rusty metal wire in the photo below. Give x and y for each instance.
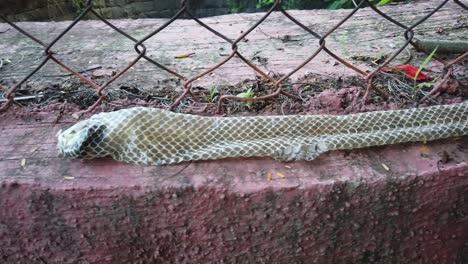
(188, 81)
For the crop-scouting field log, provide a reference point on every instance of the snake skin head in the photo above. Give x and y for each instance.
(81, 141)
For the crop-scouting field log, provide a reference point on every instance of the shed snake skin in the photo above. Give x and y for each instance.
(154, 137)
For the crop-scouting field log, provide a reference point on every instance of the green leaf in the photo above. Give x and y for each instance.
(247, 94)
(343, 37)
(337, 4)
(383, 2)
(213, 90)
(263, 3)
(424, 85)
(425, 62)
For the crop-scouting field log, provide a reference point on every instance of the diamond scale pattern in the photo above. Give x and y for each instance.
(154, 136)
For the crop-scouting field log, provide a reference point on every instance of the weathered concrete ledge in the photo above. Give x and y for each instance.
(391, 204)
(278, 46)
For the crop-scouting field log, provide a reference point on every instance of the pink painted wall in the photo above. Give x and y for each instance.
(390, 204)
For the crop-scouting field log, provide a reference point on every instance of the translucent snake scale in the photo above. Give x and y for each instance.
(154, 136)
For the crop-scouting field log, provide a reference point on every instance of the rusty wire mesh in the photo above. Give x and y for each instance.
(139, 45)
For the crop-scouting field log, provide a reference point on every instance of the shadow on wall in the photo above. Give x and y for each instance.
(56, 10)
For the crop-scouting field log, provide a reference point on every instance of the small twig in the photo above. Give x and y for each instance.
(282, 107)
(22, 98)
(41, 259)
(410, 55)
(22, 58)
(60, 114)
(70, 74)
(443, 46)
(440, 86)
(180, 171)
(8, 29)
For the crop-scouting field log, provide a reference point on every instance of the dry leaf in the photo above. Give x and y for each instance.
(23, 162)
(385, 167)
(68, 177)
(280, 174)
(423, 149)
(269, 176)
(181, 56)
(76, 116)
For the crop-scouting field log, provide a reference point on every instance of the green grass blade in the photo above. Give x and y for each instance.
(383, 2)
(425, 62)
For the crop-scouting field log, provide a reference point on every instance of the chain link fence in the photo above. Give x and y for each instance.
(184, 12)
